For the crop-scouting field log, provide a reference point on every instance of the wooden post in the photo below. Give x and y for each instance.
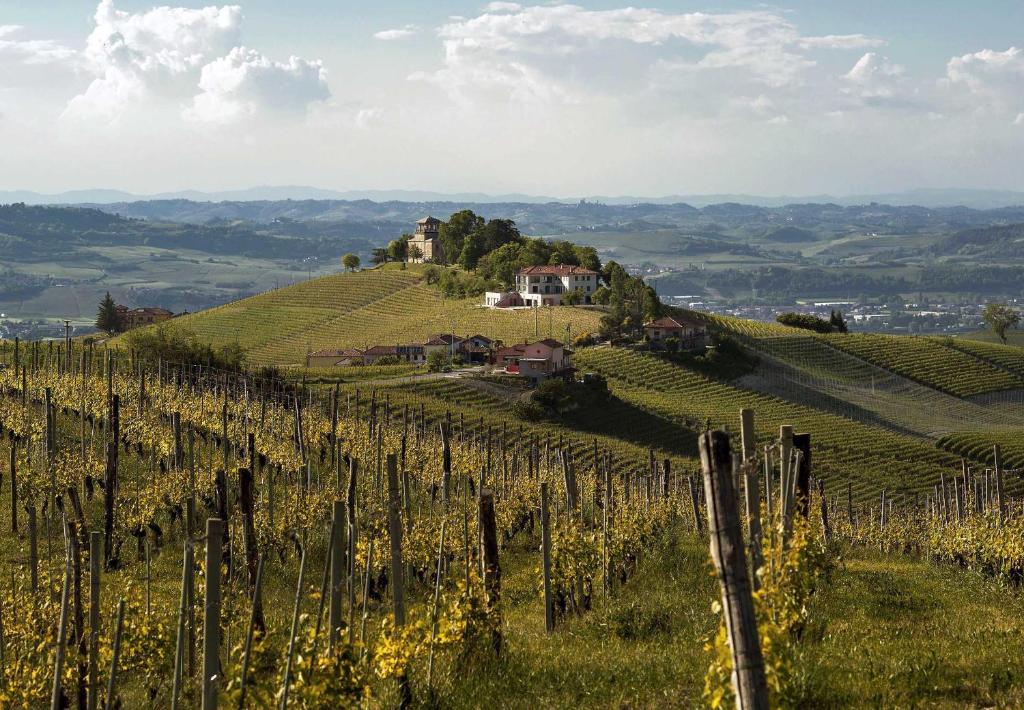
(352, 538)
(14, 483)
(694, 503)
(545, 546)
(395, 533)
(33, 547)
(109, 501)
(295, 629)
(179, 646)
(116, 656)
(95, 571)
(1000, 501)
(802, 442)
(446, 466)
(62, 635)
(489, 555)
(337, 573)
(825, 526)
(211, 618)
(247, 650)
(749, 680)
(249, 536)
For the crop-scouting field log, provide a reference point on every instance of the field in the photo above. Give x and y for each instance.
(372, 307)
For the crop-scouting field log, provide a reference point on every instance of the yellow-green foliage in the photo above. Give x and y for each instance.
(366, 308)
(789, 577)
(1009, 357)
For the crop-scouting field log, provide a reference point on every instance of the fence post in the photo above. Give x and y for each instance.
(1000, 501)
(395, 533)
(337, 573)
(489, 555)
(545, 542)
(749, 680)
(211, 617)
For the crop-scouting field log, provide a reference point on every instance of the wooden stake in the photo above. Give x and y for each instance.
(215, 528)
(749, 680)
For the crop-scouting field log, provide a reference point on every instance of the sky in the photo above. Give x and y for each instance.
(559, 99)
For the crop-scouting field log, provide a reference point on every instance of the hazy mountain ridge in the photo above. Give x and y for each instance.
(925, 197)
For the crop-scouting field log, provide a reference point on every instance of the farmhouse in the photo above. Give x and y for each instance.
(546, 286)
(334, 357)
(425, 245)
(535, 361)
(138, 317)
(691, 333)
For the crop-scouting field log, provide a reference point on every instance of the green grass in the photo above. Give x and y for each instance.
(385, 306)
(905, 633)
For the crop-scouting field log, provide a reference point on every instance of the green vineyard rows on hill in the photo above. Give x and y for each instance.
(927, 361)
(1008, 357)
(979, 447)
(870, 457)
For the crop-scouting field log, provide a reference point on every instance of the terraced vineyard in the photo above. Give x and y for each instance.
(979, 447)
(1007, 357)
(366, 308)
(870, 457)
(808, 369)
(929, 362)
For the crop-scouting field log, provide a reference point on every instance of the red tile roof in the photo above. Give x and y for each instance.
(673, 322)
(559, 270)
(381, 350)
(337, 352)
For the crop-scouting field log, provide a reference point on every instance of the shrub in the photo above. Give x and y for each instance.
(805, 321)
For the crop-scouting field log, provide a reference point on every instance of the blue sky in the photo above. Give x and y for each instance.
(561, 99)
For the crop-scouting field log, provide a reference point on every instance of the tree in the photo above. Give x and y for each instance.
(107, 319)
(398, 249)
(414, 252)
(454, 232)
(837, 322)
(350, 262)
(379, 255)
(437, 360)
(573, 297)
(1000, 318)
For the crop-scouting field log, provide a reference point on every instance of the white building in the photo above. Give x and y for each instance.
(546, 286)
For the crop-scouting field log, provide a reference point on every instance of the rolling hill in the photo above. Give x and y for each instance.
(384, 306)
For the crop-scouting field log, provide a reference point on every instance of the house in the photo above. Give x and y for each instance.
(138, 317)
(692, 334)
(372, 355)
(535, 361)
(426, 242)
(334, 357)
(546, 286)
(447, 343)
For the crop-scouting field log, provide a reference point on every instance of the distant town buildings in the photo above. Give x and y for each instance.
(425, 245)
(137, 317)
(546, 286)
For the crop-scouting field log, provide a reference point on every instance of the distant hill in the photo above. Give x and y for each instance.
(927, 197)
(995, 242)
(383, 306)
(791, 235)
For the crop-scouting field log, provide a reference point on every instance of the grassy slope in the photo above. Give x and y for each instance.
(372, 307)
(870, 457)
(885, 632)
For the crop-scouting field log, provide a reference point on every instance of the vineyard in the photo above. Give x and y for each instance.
(384, 306)
(929, 362)
(411, 544)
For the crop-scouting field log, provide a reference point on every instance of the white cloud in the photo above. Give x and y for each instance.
(30, 51)
(178, 56)
(988, 82)
(856, 41)
(245, 83)
(398, 33)
(873, 77)
(564, 51)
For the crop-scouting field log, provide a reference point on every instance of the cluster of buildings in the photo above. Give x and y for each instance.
(472, 349)
(138, 317)
(535, 361)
